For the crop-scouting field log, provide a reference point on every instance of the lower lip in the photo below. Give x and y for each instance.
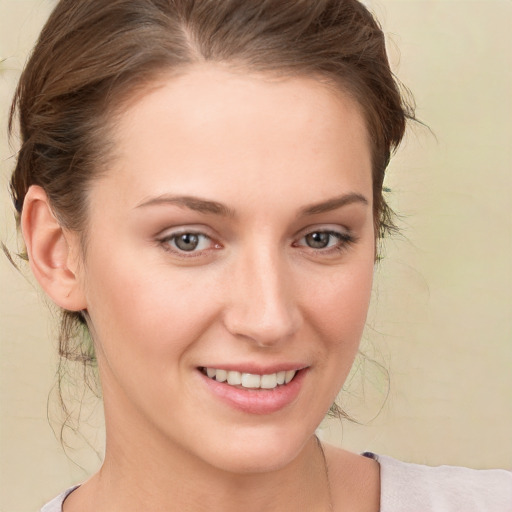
(257, 401)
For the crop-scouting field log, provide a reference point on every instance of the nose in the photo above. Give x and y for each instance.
(263, 307)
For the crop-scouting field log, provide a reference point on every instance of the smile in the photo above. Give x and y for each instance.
(250, 380)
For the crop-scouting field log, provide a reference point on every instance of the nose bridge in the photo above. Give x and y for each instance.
(263, 306)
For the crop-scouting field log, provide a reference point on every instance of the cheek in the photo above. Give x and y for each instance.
(338, 311)
(341, 302)
(146, 308)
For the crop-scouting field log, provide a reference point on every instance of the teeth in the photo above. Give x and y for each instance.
(289, 376)
(249, 380)
(269, 381)
(222, 375)
(234, 378)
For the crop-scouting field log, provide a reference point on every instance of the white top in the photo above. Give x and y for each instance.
(416, 488)
(409, 487)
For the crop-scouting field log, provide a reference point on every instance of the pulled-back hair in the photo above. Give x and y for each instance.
(93, 55)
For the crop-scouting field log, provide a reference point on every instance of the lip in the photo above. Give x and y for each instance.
(256, 401)
(256, 369)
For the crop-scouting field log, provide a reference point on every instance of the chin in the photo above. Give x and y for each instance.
(257, 452)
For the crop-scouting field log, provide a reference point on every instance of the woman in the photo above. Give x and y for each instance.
(200, 184)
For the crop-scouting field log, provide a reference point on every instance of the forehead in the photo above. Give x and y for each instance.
(228, 133)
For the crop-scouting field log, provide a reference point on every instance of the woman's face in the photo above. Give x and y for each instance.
(232, 238)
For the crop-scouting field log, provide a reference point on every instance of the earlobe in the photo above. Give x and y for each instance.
(51, 255)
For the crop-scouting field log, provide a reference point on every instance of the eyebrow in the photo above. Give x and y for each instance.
(333, 204)
(213, 207)
(193, 203)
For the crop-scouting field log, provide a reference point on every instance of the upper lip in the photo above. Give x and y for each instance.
(256, 369)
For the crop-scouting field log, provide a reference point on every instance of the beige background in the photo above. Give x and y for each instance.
(441, 320)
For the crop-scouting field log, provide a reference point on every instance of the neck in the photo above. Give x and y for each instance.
(145, 478)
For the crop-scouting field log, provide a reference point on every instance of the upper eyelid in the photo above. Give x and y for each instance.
(169, 232)
(333, 232)
(342, 237)
(173, 232)
(323, 228)
(176, 234)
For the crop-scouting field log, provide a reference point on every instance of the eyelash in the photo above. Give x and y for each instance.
(344, 242)
(166, 241)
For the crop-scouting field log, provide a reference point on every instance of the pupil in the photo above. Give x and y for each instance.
(187, 242)
(318, 240)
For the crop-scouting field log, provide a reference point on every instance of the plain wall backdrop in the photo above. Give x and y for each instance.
(441, 318)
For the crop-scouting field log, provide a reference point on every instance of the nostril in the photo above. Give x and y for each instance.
(262, 307)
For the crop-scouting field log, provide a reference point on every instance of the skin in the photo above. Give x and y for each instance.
(254, 291)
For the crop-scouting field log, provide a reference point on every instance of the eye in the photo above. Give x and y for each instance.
(319, 239)
(325, 240)
(186, 242)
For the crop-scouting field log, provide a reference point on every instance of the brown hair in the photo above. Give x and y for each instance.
(92, 55)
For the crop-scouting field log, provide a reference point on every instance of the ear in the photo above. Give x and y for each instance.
(53, 253)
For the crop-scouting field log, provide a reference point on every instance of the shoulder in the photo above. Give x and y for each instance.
(354, 480)
(56, 504)
(406, 486)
